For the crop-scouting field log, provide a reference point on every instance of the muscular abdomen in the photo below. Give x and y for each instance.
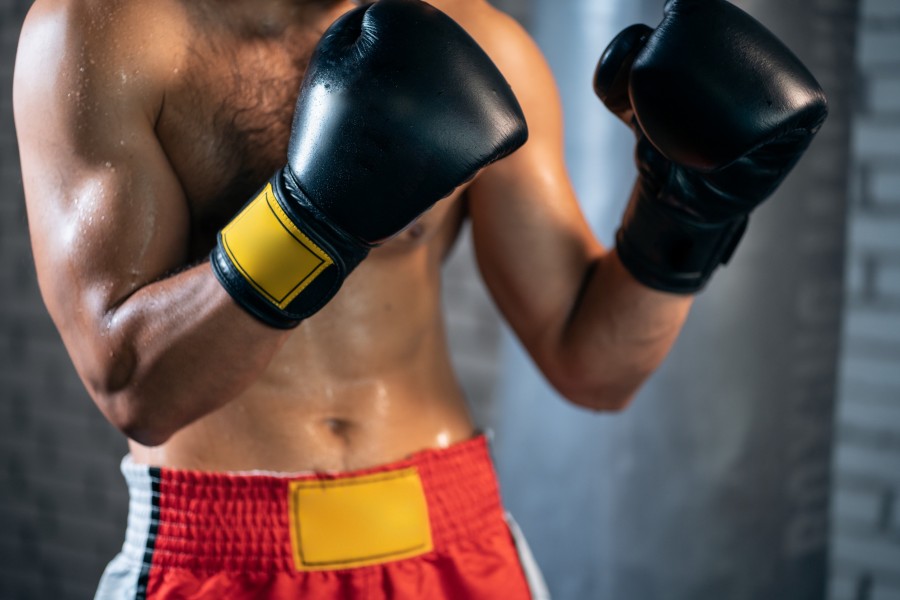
(365, 381)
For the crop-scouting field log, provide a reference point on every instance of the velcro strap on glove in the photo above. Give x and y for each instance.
(279, 260)
(668, 250)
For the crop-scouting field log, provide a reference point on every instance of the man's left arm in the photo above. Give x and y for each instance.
(592, 329)
(721, 112)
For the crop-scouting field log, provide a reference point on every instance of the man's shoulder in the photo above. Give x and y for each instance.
(508, 44)
(501, 36)
(105, 16)
(479, 17)
(96, 49)
(100, 35)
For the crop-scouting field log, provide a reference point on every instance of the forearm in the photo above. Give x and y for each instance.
(618, 333)
(173, 351)
(749, 124)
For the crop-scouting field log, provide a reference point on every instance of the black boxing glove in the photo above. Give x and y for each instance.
(398, 107)
(722, 111)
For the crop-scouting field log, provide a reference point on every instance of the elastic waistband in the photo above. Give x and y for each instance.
(234, 521)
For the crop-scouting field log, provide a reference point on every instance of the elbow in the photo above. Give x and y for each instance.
(136, 418)
(122, 399)
(589, 389)
(600, 398)
(146, 434)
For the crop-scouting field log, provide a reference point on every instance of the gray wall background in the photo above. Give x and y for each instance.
(62, 502)
(865, 551)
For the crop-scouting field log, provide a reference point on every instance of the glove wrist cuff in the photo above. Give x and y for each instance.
(668, 249)
(279, 260)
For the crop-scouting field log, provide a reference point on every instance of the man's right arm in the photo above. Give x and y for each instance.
(110, 222)
(156, 344)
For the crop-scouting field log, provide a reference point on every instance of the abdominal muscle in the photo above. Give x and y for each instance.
(365, 381)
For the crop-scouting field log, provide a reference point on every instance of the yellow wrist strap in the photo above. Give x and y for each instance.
(271, 252)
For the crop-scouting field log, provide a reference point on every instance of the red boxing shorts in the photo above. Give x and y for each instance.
(426, 528)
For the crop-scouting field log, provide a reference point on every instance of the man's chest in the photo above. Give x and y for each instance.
(226, 120)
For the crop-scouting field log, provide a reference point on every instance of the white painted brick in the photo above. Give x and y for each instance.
(877, 553)
(887, 280)
(875, 138)
(879, 48)
(874, 233)
(884, 185)
(876, 371)
(873, 324)
(859, 390)
(884, 92)
(880, 9)
(877, 418)
(861, 507)
(872, 463)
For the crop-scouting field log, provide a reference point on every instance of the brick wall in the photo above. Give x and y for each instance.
(866, 497)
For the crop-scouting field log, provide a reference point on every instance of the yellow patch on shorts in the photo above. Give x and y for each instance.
(358, 521)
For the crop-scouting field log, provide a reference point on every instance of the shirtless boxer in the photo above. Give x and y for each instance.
(146, 125)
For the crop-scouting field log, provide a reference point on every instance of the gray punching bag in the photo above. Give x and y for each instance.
(714, 483)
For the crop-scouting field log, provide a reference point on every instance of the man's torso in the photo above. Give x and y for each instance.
(367, 379)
